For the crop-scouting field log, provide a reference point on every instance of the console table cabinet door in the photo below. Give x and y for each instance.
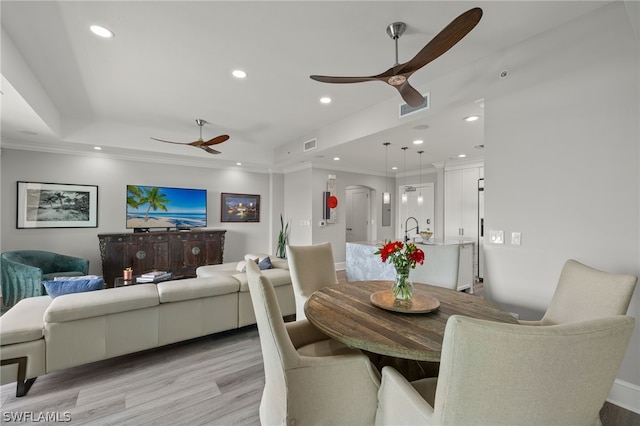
(214, 250)
(112, 251)
(146, 256)
(178, 252)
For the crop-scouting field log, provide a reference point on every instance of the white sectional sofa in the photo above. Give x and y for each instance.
(278, 274)
(40, 334)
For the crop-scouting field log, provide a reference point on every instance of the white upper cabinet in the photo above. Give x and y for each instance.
(461, 202)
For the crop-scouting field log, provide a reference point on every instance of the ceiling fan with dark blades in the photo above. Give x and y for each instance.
(398, 75)
(200, 143)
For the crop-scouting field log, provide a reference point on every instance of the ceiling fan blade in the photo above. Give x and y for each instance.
(210, 150)
(410, 95)
(329, 79)
(160, 140)
(216, 140)
(445, 40)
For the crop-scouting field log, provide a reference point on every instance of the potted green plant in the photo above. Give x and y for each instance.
(281, 251)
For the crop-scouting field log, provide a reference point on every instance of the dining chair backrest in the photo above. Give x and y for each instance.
(440, 267)
(307, 374)
(585, 293)
(506, 374)
(312, 267)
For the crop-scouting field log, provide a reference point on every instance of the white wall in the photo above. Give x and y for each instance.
(112, 175)
(297, 206)
(562, 163)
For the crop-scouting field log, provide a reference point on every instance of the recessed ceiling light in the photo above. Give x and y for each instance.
(238, 164)
(97, 148)
(101, 31)
(336, 158)
(462, 155)
(418, 142)
(325, 100)
(471, 118)
(394, 168)
(239, 74)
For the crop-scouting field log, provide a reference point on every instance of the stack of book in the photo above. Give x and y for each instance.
(153, 277)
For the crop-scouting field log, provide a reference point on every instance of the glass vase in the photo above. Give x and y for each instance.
(402, 287)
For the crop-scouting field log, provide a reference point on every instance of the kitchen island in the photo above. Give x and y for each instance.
(448, 263)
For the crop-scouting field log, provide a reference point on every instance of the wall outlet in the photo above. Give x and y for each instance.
(516, 238)
(496, 237)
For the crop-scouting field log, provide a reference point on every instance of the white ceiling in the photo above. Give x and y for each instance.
(171, 61)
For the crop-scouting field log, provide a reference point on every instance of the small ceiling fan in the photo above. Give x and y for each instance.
(200, 143)
(398, 75)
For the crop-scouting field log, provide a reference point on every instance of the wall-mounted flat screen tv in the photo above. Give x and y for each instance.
(161, 207)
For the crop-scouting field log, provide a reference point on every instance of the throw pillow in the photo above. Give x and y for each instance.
(242, 266)
(60, 287)
(265, 263)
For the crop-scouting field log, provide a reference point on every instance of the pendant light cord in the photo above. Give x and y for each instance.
(386, 165)
(420, 152)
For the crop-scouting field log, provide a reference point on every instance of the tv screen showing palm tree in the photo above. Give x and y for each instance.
(162, 207)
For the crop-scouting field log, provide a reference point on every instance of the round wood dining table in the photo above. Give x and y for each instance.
(345, 313)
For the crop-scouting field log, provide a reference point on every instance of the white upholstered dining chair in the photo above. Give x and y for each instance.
(311, 268)
(506, 374)
(585, 293)
(309, 378)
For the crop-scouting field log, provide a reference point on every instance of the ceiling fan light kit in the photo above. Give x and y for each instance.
(397, 76)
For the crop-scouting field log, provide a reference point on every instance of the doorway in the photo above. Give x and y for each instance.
(424, 213)
(358, 212)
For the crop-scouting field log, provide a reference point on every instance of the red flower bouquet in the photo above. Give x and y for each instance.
(401, 260)
(403, 257)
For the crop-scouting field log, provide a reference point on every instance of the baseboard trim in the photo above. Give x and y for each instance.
(625, 395)
(341, 266)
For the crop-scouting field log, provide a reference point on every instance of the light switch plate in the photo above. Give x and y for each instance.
(516, 238)
(496, 237)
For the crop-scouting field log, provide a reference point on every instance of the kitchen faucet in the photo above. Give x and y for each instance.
(406, 231)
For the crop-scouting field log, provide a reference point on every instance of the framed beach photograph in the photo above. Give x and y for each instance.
(239, 208)
(57, 205)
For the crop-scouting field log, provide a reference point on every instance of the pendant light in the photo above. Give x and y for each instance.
(420, 199)
(404, 193)
(386, 195)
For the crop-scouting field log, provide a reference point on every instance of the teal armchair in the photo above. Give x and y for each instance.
(23, 272)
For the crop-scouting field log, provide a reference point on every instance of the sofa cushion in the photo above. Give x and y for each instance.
(278, 277)
(197, 288)
(215, 270)
(254, 256)
(59, 287)
(71, 307)
(280, 263)
(23, 322)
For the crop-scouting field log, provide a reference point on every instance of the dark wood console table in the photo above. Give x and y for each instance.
(179, 252)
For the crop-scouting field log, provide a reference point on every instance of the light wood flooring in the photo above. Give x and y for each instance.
(214, 380)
